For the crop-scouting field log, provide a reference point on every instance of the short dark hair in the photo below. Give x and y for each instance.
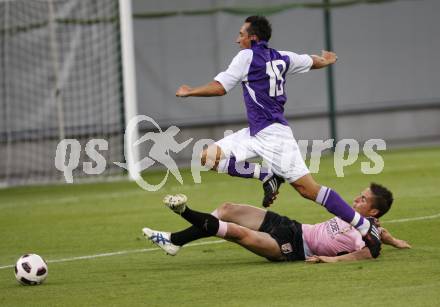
(382, 200)
(259, 26)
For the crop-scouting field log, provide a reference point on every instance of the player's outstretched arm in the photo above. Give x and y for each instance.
(354, 256)
(213, 88)
(325, 59)
(387, 238)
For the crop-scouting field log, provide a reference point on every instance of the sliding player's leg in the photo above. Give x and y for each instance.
(259, 243)
(244, 215)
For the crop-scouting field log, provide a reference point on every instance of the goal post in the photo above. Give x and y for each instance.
(129, 83)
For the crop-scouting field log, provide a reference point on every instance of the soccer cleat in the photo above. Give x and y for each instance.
(372, 238)
(161, 239)
(177, 202)
(271, 187)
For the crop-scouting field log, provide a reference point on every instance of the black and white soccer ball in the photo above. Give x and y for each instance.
(31, 269)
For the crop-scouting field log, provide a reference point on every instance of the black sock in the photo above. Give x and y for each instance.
(203, 221)
(185, 236)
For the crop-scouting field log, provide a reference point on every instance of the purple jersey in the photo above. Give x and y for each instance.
(262, 72)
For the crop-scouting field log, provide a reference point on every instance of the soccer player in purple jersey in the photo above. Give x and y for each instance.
(277, 237)
(262, 72)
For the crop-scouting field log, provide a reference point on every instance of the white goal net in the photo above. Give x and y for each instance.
(60, 78)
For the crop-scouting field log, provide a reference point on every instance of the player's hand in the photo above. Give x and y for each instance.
(331, 57)
(183, 91)
(401, 244)
(312, 259)
(321, 259)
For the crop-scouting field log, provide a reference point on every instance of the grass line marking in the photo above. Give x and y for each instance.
(144, 250)
(125, 252)
(420, 218)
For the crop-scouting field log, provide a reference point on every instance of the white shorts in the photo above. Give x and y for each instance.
(275, 144)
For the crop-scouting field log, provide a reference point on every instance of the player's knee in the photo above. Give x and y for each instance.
(225, 210)
(208, 159)
(202, 157)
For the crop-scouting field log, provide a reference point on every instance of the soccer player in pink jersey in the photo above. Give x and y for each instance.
(277, 237)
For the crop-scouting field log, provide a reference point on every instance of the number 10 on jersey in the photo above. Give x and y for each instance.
(276, 80)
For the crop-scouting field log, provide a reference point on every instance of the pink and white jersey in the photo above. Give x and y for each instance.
(331, 238)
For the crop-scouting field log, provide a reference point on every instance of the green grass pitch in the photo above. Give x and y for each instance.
(67, 221)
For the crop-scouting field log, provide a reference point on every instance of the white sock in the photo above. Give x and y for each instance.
(364, 227)
(257, 171)
(222, 229)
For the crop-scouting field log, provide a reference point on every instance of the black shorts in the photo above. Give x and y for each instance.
(287, 233)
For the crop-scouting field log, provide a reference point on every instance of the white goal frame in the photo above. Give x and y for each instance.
(129, 83)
